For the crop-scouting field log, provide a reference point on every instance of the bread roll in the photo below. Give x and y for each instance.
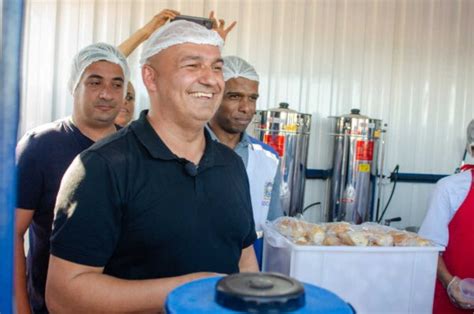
(338, 227)
(354, 238)
(380, 239)
(332, 240)
(423, 242)
(404, 238)
(291, 228)
(316, 234)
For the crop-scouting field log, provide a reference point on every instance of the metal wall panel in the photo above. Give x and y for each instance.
(406, 62)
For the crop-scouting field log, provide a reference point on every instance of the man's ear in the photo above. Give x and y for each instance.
(149, 77)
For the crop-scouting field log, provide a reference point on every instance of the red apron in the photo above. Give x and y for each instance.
(459, 254)
(466, 167)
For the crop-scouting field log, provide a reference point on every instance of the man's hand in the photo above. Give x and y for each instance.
(159, 20)
(142, 34)
(456, 296)
(219, 26)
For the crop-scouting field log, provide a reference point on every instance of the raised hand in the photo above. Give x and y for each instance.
(219, 26)
(159, 20)
(142, 34)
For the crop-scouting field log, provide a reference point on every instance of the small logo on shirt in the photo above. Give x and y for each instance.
(267, 193)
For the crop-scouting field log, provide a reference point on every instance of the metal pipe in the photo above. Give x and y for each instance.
(11, 17)
(324, 174)
(380, 174)
(418, 177)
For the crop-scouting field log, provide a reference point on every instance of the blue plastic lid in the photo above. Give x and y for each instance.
(198, 297)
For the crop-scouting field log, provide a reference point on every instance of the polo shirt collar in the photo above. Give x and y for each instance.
(157, 148)
(244, 140)
(150, 139)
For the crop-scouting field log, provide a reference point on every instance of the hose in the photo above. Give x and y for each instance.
(309, 206)
(394, 177)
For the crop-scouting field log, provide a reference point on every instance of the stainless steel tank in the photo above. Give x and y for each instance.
(287, 131)
(355, 158)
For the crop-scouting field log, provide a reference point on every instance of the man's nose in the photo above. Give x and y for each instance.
(209, 76)
(245, 105)
(106, 92)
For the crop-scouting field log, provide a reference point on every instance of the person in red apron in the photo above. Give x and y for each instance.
(449, 222)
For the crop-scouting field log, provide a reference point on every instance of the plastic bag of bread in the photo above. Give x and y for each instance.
(377, 234)
(290, 227)
(354, 238)
(348, 234)
(343, 233)
(316, 234)
(405, 238)
(300, 231)
(332, 240)
(380, 239)
(335, 228)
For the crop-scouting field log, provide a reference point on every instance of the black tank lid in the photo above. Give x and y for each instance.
(260, 292)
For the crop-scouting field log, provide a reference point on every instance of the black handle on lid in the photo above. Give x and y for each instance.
(355, 111)
(284, 105)
(260, 293)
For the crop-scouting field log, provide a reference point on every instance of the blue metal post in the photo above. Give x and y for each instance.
(12, 25)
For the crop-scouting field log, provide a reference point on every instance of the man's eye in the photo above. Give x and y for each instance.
(118, 85)
(218, 68)
(253, 98)
(94, 83)
(233, 97)
(191, 65)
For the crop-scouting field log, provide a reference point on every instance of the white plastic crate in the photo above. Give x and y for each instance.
(371, 279)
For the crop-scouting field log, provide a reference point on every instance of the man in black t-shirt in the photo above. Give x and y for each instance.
(159, 203)
(97, 81)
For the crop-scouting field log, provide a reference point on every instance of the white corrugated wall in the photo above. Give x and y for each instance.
(407, 62)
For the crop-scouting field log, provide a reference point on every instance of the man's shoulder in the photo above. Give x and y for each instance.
(113, 144)
(222, 151)
(226, 157)
(49, 129)
(45, 134)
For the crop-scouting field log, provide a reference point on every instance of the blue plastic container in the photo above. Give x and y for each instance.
(197, 297)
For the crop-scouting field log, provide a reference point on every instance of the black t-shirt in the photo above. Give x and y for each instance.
(129, 204)
(43, 155)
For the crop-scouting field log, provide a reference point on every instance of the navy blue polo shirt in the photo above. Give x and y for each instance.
(43, 155)
(128, 204)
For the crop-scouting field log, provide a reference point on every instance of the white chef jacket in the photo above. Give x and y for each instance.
(448, 195)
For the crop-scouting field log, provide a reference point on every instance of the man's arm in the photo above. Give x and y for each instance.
(23, 218)
(73, 287)
(131, 43)
(248, 261)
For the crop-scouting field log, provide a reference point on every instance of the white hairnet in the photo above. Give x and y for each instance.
(93, 53)
(179, 32)
(470, 137)
(237, 67)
